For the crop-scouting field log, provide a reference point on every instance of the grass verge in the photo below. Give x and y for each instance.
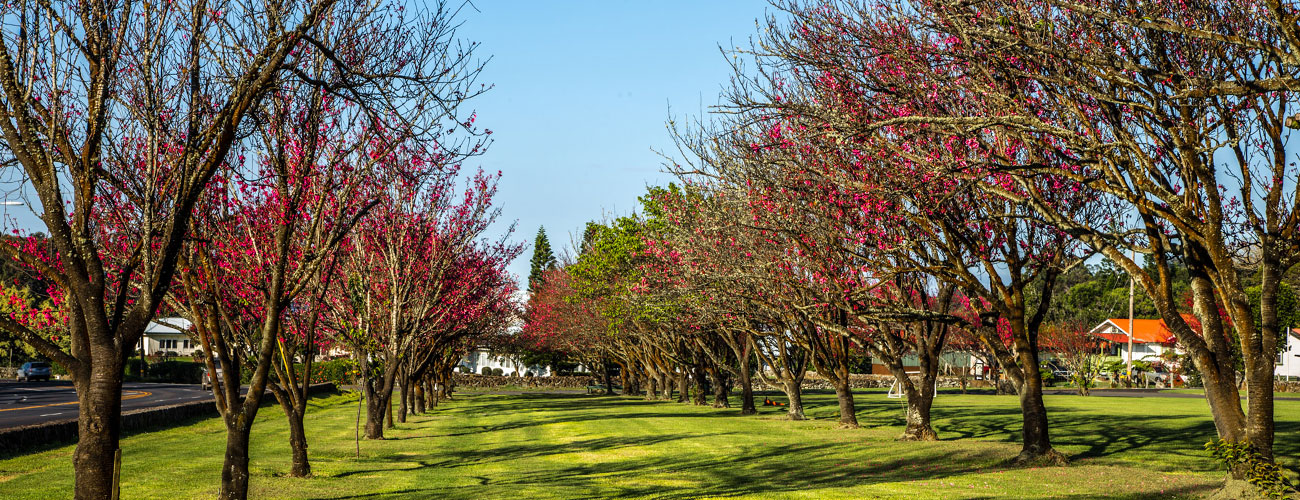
(485, 446)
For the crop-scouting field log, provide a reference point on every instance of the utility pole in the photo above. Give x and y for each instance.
(1131, 281)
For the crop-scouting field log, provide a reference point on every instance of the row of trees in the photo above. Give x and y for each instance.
(285, 174)
(899, 175)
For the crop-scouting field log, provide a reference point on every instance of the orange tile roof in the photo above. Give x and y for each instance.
(1144, 330)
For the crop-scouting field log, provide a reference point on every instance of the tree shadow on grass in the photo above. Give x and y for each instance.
(755, 470)
(765, 470)
(503, 453)
(568, 409)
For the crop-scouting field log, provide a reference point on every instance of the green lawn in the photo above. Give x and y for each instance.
(486, 446)
(1201, 392)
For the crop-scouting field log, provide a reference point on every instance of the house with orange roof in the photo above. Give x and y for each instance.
(1151, 337)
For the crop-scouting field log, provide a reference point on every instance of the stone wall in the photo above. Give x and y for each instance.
(472, 381)
(865, 381)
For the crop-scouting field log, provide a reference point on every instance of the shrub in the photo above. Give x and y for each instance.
(1267, 476)
(486, 371)
(341, 371)
(175, 372)
(498, 372)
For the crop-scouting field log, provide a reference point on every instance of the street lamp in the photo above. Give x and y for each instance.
(10, 203)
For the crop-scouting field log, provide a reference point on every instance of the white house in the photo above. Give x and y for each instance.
(480, 358)
(1288, 361)
(1151, 337)
(167, 334)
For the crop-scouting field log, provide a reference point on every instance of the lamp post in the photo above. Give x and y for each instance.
(10, 203)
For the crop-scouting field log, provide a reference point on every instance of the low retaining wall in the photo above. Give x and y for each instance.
(472, 381)
(19, 439)
(866, 381)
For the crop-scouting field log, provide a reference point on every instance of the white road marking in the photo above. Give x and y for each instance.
(51, 414)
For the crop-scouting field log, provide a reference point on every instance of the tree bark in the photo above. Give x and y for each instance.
(720, 387)
(300, 466)
(794, 394)
(848, 411)
(294, 407)
(234, 472)
(1036, 444)
(701, 385)
(609, 381)
(405, 394)
(747, 406)
(99, 425)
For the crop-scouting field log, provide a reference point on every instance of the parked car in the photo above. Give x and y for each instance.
(207, 377)
(34, 370)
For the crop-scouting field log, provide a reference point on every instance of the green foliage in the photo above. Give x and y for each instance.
(486, 371)
(14, 348)
(1092, 294)
(342, 371)
(497, 372)
(170, 372)
(1264, 474)
(543, 258)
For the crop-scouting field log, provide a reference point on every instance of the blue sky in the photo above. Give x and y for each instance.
(582, 93)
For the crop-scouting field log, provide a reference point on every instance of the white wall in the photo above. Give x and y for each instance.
(477, 359)
(1290, 365)
(180, 344)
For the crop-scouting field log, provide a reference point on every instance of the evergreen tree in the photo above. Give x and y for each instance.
(543, 259)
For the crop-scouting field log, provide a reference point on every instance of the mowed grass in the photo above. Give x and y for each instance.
(485, 446)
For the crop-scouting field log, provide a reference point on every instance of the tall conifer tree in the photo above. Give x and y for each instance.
(543, 259)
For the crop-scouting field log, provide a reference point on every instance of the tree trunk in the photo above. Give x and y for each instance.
(99, 425)
(294, 406)
(651, 387)
(918, 416)
(848, 411)
(300, 467)
(234, 472)
(609, 381)
(1036, 446)
(747, 406)
(419, 396)
(793, 393)
(405, 388)
(720, 389)
(448, 386)
(388, 409)
(683, 387)
(378, 405)
(375, 416)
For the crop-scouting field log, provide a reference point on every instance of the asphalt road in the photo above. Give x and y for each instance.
(26, 403)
